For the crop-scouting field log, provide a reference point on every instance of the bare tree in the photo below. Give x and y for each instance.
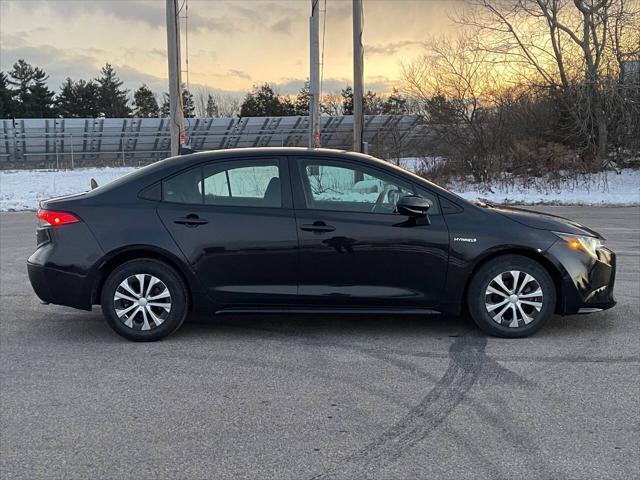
(565, 44)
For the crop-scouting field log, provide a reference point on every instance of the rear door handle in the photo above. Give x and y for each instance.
(318, 227)
(191, 220)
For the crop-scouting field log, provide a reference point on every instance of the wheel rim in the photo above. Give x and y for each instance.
(142, 302)
(514, 298)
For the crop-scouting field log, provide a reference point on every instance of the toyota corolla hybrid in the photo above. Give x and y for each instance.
(296, 230)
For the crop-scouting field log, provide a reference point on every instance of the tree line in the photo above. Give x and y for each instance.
(533, 86)
(25, 93)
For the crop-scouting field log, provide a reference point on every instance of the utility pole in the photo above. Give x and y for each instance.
(314, 75)
(358, 119)
(176, 113)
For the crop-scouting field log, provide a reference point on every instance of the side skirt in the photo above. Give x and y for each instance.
(327, 311)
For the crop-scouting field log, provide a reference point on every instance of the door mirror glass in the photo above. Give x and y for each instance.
(413, 206)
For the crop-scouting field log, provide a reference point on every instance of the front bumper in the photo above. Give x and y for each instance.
(587, 283)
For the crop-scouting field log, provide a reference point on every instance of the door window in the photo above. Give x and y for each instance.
(346, 187)
(254, 185)
(241, 183)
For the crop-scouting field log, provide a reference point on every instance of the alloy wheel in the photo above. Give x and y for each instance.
(513, 298)
(142, 301)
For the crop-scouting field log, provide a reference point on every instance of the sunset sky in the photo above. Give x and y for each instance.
(233, 44)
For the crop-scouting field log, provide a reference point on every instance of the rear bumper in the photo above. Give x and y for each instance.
(59, 287)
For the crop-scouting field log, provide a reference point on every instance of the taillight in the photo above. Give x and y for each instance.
(55, 219)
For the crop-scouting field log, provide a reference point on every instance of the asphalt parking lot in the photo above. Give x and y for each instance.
(320, 397)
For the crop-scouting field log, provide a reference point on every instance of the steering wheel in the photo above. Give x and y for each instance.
(391, 195)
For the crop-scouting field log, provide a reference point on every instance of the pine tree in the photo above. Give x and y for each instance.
(145, 103)
(39, 103)
(88, 99)
(66, 101)
(303, 99)
(21, 77)
(165, 108)
(188, 104)
(372, 104)
(347, 101)
(113, 98)
(7, 105)
(78, 99)
(263, 102)
(212, 107)
(395, 104)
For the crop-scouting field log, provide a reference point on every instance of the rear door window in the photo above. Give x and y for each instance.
(243, 183)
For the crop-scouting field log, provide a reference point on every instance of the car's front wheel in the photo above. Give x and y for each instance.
(144, 300)
(511, 296)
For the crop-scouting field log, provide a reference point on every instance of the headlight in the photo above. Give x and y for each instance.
(589, 245)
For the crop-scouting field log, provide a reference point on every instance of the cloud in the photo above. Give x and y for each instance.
(378, 83)
(60, 64)
(151, 14)
(389, 48)
(239, 73)
(282, 26)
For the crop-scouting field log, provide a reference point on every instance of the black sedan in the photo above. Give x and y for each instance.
(293, 231)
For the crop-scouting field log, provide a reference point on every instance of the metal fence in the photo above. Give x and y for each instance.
(75, 142)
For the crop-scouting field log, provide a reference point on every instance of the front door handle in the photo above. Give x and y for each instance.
(318, 227)
(191, 220)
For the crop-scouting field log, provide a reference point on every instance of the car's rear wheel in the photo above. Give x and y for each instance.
(511, 296)
(144, 300)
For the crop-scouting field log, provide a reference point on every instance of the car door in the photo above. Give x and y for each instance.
(234, 222)
(354, 249)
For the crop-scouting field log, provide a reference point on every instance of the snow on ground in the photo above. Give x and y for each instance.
(23, 189)
(606, 188)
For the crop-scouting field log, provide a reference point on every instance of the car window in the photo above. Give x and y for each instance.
(256, 185)
(241, 183)
(347, 187)
(184, 188)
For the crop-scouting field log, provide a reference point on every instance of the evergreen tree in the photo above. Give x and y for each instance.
(39, 103)
(395, 104)
(33, 97)
(372, 104)
(113, 98)
(145, 103)
(263, 102)
(78, 99)
(188, 104)
(66, 102)
(88, 98)
(7, 105)
(212, 107)
(21, 77)
(347, 101)
(303, 100)
(165, 108)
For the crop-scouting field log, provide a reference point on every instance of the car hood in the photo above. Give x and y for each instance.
(545, 221)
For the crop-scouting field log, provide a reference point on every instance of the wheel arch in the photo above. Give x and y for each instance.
(552, 269)
(138, 252)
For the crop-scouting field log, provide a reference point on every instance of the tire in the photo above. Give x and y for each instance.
(493, 302)
(164, 296)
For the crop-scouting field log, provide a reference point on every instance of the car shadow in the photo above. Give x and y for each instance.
(354, 325)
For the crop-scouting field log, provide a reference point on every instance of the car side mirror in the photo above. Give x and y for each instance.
(416, 208)
(412, 206)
